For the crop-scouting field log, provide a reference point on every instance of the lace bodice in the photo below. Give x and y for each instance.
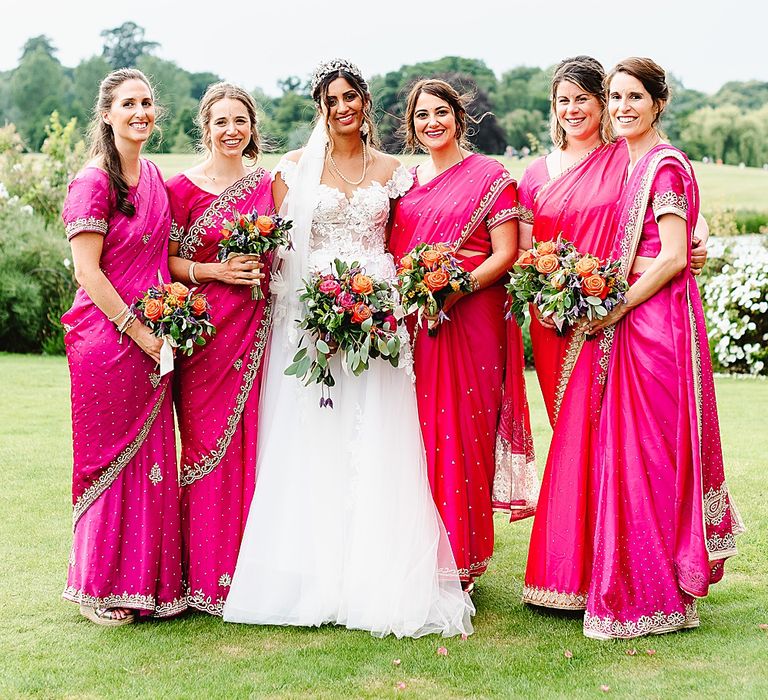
(352, 229)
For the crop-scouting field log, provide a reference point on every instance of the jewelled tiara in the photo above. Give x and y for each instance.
(332, 66)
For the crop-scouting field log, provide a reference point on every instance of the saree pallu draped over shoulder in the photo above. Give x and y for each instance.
(580, 204)
(217, 392)
(469, 377)
(664, 520)
(126, 549)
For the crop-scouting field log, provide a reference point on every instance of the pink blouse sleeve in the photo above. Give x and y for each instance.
(179, 207)
(668, 192)
(525, 196)
(88, 205)
(505, 208)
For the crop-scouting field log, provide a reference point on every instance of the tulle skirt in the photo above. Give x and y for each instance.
(342, 528)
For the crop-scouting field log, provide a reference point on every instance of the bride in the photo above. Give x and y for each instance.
(342, 528)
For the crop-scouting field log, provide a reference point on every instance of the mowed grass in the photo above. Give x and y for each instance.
(722, 186)
(48, 651)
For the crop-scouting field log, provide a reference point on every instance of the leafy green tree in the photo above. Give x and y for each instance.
(125, 45)
(523, 88)
(522, 124)
(38, 87)
(751, 94)
(199, 83)
(86, 78)
(41, 42)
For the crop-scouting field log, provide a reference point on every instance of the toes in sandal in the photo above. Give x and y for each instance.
(105, 616)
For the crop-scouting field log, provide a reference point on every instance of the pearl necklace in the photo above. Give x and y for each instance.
(341, 175)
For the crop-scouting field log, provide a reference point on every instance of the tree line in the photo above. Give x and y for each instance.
(729, 126)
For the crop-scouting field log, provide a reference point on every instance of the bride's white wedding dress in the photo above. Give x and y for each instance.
(343, 528)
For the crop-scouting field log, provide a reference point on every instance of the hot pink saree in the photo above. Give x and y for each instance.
(469, 378)
(664, 522)
(217, 393)
(127, 545)
(579, 204)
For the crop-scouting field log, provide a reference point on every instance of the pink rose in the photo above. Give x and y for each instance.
(330, 287)
(345, 300)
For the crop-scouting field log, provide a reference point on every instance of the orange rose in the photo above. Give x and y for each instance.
(586, 266)
(153, 309)
(594, 286)
(442, 248)
(360, 312)
(265, 224)
(547, 263)
(558, 279)
(362, 284)
(526, 259)
(436, 280)
(430, 258)
(179, 290)
(226, 234)
(545, 247)
(406, 262)
(198, 304)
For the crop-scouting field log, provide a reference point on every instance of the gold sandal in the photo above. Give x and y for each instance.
(105, 616)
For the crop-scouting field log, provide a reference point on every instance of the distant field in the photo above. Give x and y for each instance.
(722, 186)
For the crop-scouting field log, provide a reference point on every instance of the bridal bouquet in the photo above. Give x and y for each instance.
(350, 313)
(564, 285)
(176, 314)
(251, 234)
(425, 278)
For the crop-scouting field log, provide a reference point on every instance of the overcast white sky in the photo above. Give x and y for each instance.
(255, 43)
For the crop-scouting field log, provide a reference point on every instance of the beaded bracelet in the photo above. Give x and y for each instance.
(118, 314)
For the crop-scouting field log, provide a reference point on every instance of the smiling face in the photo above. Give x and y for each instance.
(229, 127)
(434, 123)
(132, 113)
(578, 112)
(632, 110)
(344, 108)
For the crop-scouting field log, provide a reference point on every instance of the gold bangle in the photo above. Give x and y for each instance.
(191, 273)
(474, 281)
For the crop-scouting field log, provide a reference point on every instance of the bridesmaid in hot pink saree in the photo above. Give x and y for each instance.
(469, 380)
(664, 520)
(126, 554)
(217, 388)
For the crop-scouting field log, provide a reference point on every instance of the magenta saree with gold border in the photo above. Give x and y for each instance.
(664, 520)
(126, 550)
(217, 393)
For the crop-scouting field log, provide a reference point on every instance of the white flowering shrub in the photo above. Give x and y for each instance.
(735, 294)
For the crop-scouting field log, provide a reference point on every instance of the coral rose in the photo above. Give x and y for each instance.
(360, 312)
(330, 287)
(594, 286)
(586, 266)
(179, 290)
(526, 259)
(558, 279)
(153, 309)
(436, 280)
(430, 258)
(406, 262)
(198, 304)
(362, 284)
(442, 247)
(547, 263)
(546, 247)
(226, 233)
(265, 224)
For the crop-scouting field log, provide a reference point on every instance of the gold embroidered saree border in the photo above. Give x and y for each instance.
(659, 623)
(190, 473)
(134, 601)
(552, 598)
(496, 188)
(116, 466)
(572, 352)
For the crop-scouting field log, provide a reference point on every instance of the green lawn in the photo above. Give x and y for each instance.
(722, 186)
(48, 651)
